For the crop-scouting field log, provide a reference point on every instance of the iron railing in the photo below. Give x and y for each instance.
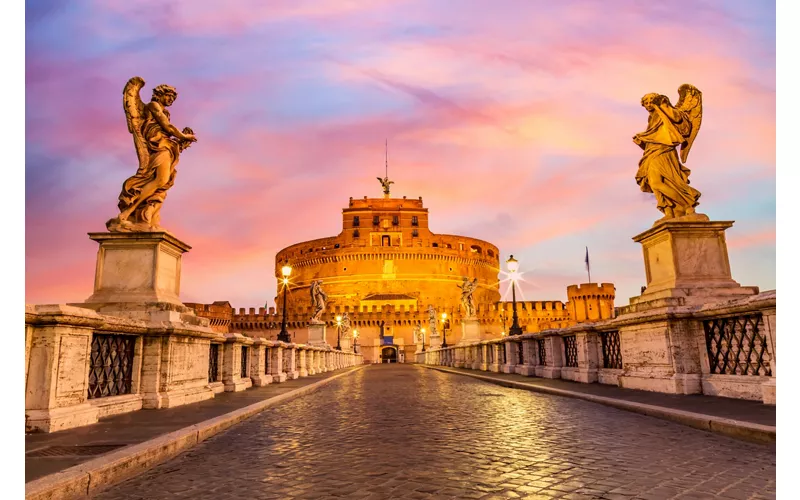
(243, 370)
(570, 351)
(542, 352)
(266, 360)
(612, 354)
(111, 365)
(521, 353)
(736, 346)
(213, 363)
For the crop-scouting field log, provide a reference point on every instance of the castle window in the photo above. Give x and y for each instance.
(490, 253)
(336, 246)
(356, 234)
(449, 245)
(356, 221)
(475, 249)
(395, 220)
(414, 220)
(414, 233)
(435, 245)
(375, 220)
(461, 246)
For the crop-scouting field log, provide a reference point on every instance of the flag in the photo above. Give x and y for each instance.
(587, 259)
(587, 265)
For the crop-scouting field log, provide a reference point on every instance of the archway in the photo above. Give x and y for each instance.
(389, 355)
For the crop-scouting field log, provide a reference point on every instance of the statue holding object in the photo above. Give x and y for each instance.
(158, 145)
(318, 299)
(661, 171)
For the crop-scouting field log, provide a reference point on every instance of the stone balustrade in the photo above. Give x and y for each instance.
(81, 365)
(722, 349)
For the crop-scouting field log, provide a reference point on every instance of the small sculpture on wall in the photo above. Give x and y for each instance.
(432, 320)
(318, 299)
(467, 289)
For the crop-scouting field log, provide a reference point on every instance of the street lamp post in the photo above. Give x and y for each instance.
(423, 339)
(355, 341)
(338, 333)
(286, 271)
(513, 265)
(444, 330)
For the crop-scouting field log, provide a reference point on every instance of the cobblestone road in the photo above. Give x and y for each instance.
(400, 431)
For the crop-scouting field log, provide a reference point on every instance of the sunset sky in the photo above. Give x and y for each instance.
(512, 119)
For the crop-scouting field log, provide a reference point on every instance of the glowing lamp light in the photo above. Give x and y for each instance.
(286, 271)
(355, 334)
(338, 320)
(444, 316)
(513, 265)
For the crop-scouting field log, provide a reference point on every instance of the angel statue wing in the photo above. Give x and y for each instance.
(313, 289)
(691, 103)
(134, 113)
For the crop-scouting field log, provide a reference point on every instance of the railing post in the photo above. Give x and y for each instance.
(528, 365)
(258, 373)
(276, 365)
(508, 364)
(484, 347)
(57, 383)
(587, 343)
(494, 364)
(235, 358)
(554, 348)
(303, 367)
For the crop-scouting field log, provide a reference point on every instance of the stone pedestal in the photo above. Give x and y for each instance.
(316, 335)
(137, 268)
(435, 341)
(470, 331)
(347, 344)
(686, 263)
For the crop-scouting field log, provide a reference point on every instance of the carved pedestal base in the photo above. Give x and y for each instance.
(137, 268)
(316, 335)
(686, 263)
(470, 331)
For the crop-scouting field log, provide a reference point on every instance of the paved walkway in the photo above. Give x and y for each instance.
(136, 427)
(403, 431)
(754, 412)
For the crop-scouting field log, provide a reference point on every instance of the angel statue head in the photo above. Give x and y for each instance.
(165, 94)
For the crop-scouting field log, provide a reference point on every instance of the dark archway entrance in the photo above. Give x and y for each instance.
(389, 355)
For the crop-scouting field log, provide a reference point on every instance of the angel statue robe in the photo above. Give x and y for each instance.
(164, 152)
(665, 132)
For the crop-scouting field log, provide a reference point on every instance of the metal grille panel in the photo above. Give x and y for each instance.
(111, 365)
(736, 346)
(213, 363)
(521, 353)
(542, 352)
(612, 354)
(490, 352)
(243, 371)
(266, 360)
(570, 352)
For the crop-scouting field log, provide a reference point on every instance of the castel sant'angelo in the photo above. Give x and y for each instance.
(386, 270)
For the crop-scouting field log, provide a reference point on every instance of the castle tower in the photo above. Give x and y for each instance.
(591, 302)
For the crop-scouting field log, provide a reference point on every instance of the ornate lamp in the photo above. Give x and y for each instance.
(338, 333)
(513, 265)
(286, 271)
(444, 330)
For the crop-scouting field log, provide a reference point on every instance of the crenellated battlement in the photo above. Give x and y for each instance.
(591, 301)
(605, 290)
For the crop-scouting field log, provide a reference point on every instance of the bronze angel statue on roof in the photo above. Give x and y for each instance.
(661, 171)
(385, 183)
(158, 144)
